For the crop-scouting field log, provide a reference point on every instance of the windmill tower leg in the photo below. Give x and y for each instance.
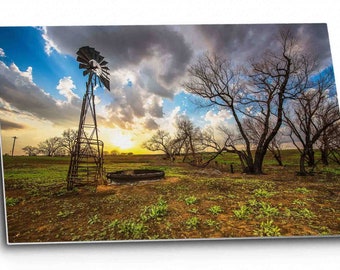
(87, 156)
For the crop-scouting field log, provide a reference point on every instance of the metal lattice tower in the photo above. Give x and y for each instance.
(86, 163)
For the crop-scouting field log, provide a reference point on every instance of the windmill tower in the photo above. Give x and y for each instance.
(86, 163)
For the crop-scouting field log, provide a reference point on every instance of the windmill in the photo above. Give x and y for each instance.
(87, 154)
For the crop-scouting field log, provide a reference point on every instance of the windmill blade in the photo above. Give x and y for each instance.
(103, 63)
(82, 59)
(106, 82)
(85, 72)
(99, 59)
(83, 55)
(83, 66)
(105, 76)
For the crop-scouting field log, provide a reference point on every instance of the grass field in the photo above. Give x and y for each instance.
(189, 203)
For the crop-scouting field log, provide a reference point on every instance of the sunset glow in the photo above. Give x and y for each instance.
(121, 140)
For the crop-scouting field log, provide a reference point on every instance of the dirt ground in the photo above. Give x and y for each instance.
(189, 203)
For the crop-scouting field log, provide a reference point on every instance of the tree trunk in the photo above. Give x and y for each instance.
(302, 164)
(255, 166)
(258, 162)
(278, 158)
(324, 156)
(310, 156)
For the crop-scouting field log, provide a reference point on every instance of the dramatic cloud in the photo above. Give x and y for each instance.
(148, 63)
(127, 46)
(66, 88)
(2, 53)
(23, 77)
(8, 125)
(20, 93)
(218, 119)
(243, 42)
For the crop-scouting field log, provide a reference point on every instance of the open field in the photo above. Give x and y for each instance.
(189, 203)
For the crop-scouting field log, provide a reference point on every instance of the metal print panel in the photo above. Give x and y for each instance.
(120, 133)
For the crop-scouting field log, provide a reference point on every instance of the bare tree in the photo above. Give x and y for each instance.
(68, 140)
(311, 114)
(329, 144)
(51, 146)
(260, 93)
(162, 141)
(334, 143)
(189, 139)
(30, 150)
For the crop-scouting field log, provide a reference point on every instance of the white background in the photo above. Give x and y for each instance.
(231, 254)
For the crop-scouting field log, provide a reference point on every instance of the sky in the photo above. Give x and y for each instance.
(41, 86)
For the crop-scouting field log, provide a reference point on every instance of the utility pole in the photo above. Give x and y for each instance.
(14, 138)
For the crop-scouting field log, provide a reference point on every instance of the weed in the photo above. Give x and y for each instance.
(299, 202)
(33, 191)
(192, 223)
(153, 237)
(288, 212)
(94, 219)
(212, 223)
(155, 211)
(302, 190)
(215, 209)
(325, 230)
(64, 191)
(267, 228)
(168, 225)
(113, 224)
(37, 213)
(260, 192)
(11, 201)
(231, 196)
(267, 210)
(190, 200)
(64, 213)
(242, 213)
(253, 202)
(216, 198)
(305, 213)
(193, 210)
(132, 229)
